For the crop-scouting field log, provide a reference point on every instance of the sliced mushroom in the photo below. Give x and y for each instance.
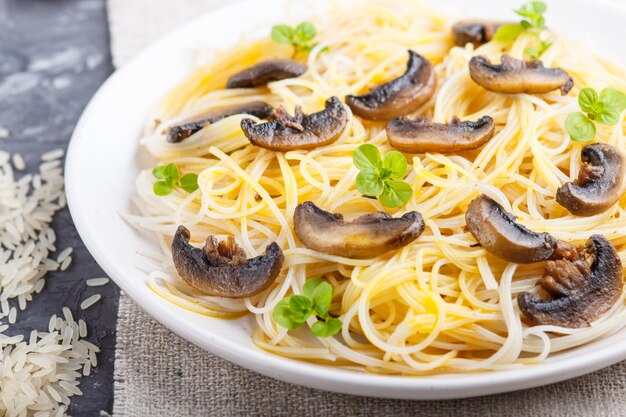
(421, 135)
(221, 269)
(580, 291)
(182, 130)
(400, 96)
(476, 32)
(499, 233)
(301, 131)
(514, 76)
(601, 181)
(366, 237)
(265, 72)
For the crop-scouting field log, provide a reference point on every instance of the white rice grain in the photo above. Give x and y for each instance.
(97, 282)
(64, 254)
(53, 154)
(90, 301)
(18, 162)
(66, 263)
(4, 133)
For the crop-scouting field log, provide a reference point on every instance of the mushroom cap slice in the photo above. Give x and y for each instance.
(400, 96)
(476, 32)
(265, 72)
(221, 269)
(301, 131)
(514, 76)
(182, 130)
(601, 181)
(499, 233)
(421, 135)
(366, 237)
(580, 290)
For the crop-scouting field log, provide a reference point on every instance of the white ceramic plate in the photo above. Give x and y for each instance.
(104, 160)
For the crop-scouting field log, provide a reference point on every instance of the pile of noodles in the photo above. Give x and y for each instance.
(440, 304)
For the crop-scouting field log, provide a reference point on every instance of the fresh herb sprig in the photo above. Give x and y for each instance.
(534, 23)
(605, 108)
(170, 178)
(300, 37)
(292, 312)
(376, 175)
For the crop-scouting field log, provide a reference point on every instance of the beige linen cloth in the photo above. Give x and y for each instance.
(159, 374)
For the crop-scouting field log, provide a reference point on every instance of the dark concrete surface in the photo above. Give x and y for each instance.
(54, 54)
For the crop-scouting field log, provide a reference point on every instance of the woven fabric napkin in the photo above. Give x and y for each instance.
(159, 374)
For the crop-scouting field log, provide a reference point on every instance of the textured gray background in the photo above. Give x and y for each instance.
(54, 54)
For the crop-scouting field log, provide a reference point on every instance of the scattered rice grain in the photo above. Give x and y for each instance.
(97, 282)
(90, 301)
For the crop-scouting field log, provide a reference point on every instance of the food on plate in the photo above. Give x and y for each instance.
(514, 76)
(451, 214)
(365, 237)
(265, 72)
(600, 184)
(422, 135)
(400, 96)
(300, 131)
(222, 269)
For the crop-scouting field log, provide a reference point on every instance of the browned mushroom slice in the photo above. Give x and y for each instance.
(421, 135)
(580, 290)
(400, 96)
(222, 270)
(514, 76)
(476, 32)
(300, 131)
(184, 129)
(499, 233)
(601, 181)
(366, 237)
(265, 72)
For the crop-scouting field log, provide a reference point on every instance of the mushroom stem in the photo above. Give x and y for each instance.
(265, 72)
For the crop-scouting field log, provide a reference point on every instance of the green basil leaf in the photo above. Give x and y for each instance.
(532, 9)
(299, 304)
(395, 162)
(189, 182)
(587, 100)
(283, 315)
(580, 128)
(326, 328)
(282, 34)
(366, 156)
(609, 117)
(308, 289)
(306, 31)
(322, 297)
(369, 183)
(159, 172)
(162, 188)
(508, 32)
(171, 174)
(396, 194)
(525, 24)
(613, 99)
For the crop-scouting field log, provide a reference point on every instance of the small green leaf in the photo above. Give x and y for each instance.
(161, 188)
(282, 34)
(305, 31)
(283, 315)
(366, 156)
(189, 182)
(396, 194)
(308, 289)
(395, 162)
(322, 297)
(614, 99)
(299, 304)
(159, 172)
(587, 100)
(580, 128)
(171, 174)
(508, 32)
(532, 9)
(609, 117)
(525, 24)
(369, 183)
(326, 328)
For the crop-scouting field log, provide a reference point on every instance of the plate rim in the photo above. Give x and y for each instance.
(446, 386)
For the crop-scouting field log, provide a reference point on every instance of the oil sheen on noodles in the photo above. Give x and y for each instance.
(437, 305)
